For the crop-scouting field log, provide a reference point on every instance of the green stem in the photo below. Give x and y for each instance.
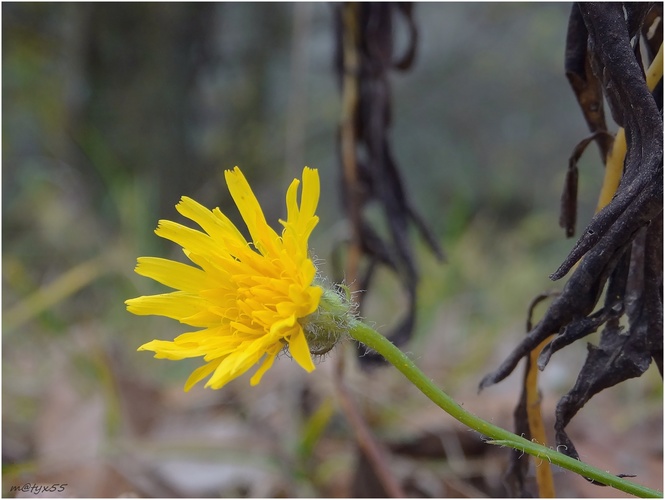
(498, 436)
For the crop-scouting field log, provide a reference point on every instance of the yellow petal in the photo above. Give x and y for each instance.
(265, 366)
(279, 328)
(300, 350)
(301, 218)
(216, 224)
(311, 191)
(292, 208)
(241, 327)
(170, 350)
(248, 354)
(226, 372)
(188, 238)
(174, 274)
(264, 237)
(215, 334)
(306, 301)
(174, 305)
(200, 373)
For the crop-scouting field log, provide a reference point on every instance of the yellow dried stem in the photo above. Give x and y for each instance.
(535, 418)
(616, 157)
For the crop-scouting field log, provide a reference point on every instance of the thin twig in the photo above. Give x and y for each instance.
(373, 450)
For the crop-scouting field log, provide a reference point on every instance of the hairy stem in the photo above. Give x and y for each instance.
(496, 435)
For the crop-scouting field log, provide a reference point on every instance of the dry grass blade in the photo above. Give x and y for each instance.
(55, 292)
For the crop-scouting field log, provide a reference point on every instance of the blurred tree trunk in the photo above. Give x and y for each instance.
(163, 94)
(139, 63)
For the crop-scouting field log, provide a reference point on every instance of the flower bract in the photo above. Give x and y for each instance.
(247, 298)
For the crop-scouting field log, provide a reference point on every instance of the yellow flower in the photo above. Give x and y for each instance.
(249, 298)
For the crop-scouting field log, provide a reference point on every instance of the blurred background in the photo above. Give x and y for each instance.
(111, 112)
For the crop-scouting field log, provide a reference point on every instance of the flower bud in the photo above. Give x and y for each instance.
(330, 322)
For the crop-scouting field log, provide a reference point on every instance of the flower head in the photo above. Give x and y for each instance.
(250, 298)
